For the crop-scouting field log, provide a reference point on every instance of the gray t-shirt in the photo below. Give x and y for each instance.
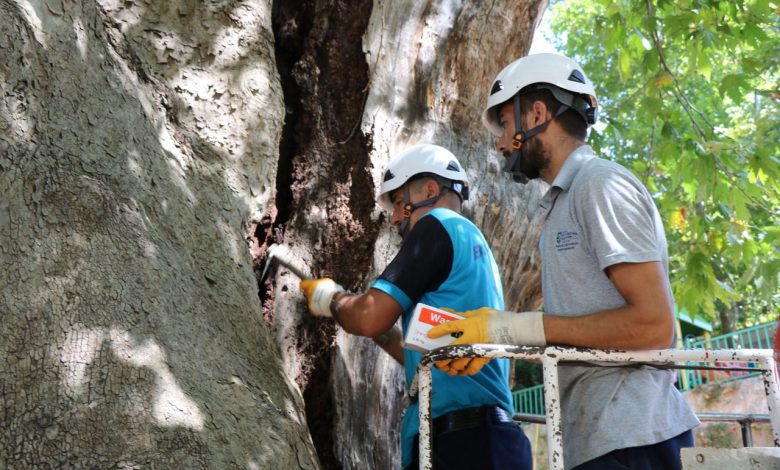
(599, 214)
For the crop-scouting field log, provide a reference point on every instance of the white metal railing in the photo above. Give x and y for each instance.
(551, 356)
(744, 420)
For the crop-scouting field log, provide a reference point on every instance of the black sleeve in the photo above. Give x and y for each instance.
(424, 261)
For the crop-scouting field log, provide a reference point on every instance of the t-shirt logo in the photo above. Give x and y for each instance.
(565, 240)
(479, 252)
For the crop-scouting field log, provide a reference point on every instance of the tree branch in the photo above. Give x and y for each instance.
(688, 108)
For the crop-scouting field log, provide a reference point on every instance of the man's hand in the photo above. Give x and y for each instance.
(473, 327)
(464, 365)
(319, 294)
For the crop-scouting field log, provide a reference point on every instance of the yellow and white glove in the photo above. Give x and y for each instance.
(486, 325)
(319, 294)
(462, 365)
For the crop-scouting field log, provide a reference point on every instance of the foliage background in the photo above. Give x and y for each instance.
(689, 94)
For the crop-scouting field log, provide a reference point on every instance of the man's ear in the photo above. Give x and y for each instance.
(540, 112)
(431, 189)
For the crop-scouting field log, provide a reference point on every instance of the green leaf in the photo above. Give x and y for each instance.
(625, 65)
(733, 85)
(680, 23)
(753, 34)
(652, 104)
(740, 204)
(666, 130)
(635, 43)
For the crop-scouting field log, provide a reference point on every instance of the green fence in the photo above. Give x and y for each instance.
(756, 337)
(531, 400)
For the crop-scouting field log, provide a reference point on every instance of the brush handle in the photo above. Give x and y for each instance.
(282, 255)
(295, 270)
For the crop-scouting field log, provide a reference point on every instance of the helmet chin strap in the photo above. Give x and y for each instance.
(513, 163)
(409, 207)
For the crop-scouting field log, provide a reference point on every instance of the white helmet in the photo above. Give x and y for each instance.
(546, 68)
(422, 158)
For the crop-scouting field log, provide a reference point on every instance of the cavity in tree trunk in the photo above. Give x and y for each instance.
(363, 82)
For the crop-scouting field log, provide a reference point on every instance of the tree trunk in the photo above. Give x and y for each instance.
(137, 140)
(141, 142)
(729, 315)
(363, 81)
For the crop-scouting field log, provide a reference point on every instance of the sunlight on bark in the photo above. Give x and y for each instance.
(33, 19)
(81, 37)
(171, 406)
(79, 349)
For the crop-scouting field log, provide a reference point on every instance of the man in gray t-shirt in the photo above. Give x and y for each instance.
(604, 273)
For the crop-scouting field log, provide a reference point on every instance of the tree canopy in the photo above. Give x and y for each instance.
(689, 93)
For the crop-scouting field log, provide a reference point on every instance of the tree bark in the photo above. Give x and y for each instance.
(141, 142)
(420, 73)
(729, 315)
(138, 138)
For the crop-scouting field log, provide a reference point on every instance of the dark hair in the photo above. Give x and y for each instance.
(413, 180)
(439, 180)
(570, 121)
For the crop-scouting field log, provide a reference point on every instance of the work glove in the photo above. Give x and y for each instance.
(319, 294)
(486, 325)
(462, 365)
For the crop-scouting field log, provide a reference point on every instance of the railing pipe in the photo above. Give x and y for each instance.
(552, 356)
(426, 435)
(769, 373)
(552, 406)
(745, 421)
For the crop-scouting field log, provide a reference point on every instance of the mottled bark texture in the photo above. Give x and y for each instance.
(362, 81)
(137, 138)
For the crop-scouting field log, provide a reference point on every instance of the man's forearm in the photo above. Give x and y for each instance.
(622, 328)
(369, 314)
(392, 342)
(350, 312)
(645, 322)
(630, 328)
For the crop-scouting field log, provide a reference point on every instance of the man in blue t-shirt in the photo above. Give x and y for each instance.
(444, 262)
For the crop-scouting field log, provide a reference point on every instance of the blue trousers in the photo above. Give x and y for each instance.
(662, 456)
(493, 446)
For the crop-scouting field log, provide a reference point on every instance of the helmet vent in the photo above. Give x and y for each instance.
(497, 86)
(577, 76)
(388, 175)
(453, 166)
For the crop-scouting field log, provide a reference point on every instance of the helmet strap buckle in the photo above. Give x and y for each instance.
(519, 137)
(517, 140)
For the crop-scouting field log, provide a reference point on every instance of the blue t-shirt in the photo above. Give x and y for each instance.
(445, 262)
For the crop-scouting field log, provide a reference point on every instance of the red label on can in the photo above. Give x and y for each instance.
(432, 317)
